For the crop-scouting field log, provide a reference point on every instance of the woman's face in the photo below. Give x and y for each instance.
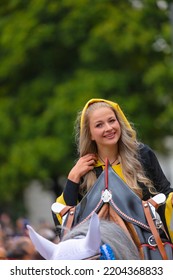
(104, 127)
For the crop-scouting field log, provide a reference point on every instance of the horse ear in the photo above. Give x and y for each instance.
(45, 247)
(93, 237)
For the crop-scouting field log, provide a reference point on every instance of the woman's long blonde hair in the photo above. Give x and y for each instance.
(128, 148)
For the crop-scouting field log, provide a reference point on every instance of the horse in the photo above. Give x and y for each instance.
(97, 239)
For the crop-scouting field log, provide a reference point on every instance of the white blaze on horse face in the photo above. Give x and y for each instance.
(72, 249)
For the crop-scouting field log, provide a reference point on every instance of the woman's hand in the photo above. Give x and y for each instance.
(83, 165)
(172, 200)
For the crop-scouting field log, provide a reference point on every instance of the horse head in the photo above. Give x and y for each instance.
(81, 247)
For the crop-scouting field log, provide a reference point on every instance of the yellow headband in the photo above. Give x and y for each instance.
(112, 104)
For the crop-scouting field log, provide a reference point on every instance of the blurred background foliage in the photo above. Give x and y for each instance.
(54, 56)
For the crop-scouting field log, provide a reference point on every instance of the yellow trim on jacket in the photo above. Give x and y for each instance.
(169, 214)
(117, 168)
(61, 200)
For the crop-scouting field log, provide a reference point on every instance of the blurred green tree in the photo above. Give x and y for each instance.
(55, 55)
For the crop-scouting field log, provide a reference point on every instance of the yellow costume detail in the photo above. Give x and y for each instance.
(117, 168)
(115, 106)
(169, 215)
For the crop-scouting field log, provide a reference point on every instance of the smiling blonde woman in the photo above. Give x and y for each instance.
(103, 131)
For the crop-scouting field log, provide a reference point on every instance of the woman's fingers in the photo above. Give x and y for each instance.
(82, 166)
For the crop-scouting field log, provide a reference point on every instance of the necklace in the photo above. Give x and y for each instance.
(115, 161)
